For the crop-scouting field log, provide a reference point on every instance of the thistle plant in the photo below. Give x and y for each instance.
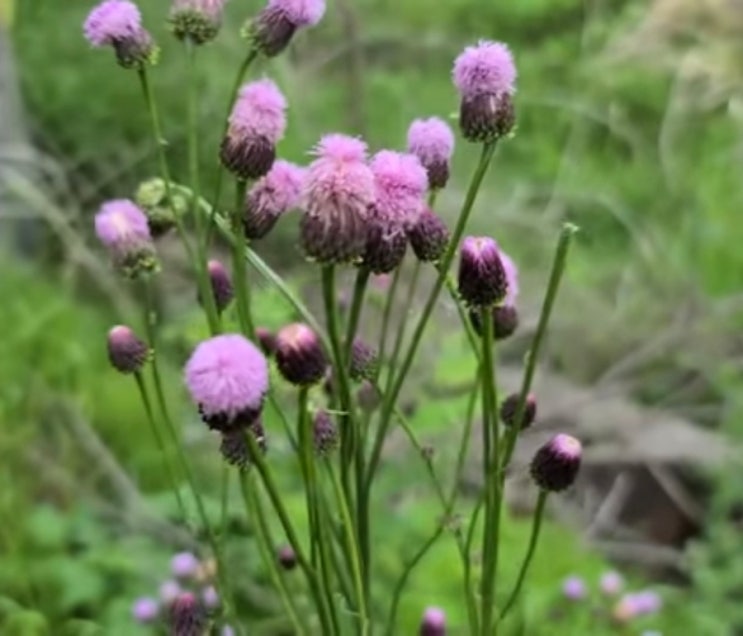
(359, 209)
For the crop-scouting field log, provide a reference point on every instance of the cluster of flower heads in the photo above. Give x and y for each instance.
(185, 601)
(616, 605)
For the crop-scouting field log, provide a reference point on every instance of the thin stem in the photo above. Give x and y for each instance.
(160, 443)
(401, 328)
(487, 154)
(359, 289)
(306, 464)
(558, 267)
(533, 540)
(389, 303)
(255, 512)
(463, 316)
(464, 443)
(224, 500)
(242, 292)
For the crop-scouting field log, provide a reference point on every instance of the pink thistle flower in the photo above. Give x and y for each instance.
(400, 182)
(184, 565)
(433, 622)
(227, 377)
(118, 23)
(256, 124)
(555, 465)
(432, 141)
(276, 24)
(169, 591)
(145, 610)
(126, 352)
(338, 190)
(611, 583)
(124, 230)
(482, 277)
(196, 20)
(299, 355)
(485, 77)
(274, 194)
(574, 588)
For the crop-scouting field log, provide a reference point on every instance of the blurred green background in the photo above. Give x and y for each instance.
(629, 122)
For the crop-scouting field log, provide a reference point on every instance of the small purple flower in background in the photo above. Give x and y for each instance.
(429, 236)
(187, 616)
(256, 124)
(432, 141)
(364, 361)
(485, 77)
(636, 604)
(169, 591)
(210, 597)
(274, 194)
(125, 232)
(227, 377)
(574, 588)
(126, 352)
(145, 610)
(196, 20)
(299, 355)
(555, 465)
(118, 23)
(611, 583)
(324, 433)
(276, 24)
(221, 284)
(287, 557)
(184, 565)
(433, 622)
(338, 191)
(510, 406)
(482, 277)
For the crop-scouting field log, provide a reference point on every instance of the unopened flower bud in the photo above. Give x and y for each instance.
(555, 465)
(277, 23)
(287, 557)
(187, 616)
(505, 321)
(482, 277)
(126, 352)
(196, 20)
(429, 237)
(299, 355)
(151, 197)
(324, 433)
(234, 446)
(510, 406)
(364, 361)
(221, 284)
(433, 622)
(385, 249)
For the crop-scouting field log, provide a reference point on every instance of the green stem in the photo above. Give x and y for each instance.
(306, 457)
(558, 267)
(487, 154)
(239, 253)
(359, 289)
(224, 500)
(464, 318)
(386, 317)
(533, 540)
(256, 513)
(160, 443)
(401, 328)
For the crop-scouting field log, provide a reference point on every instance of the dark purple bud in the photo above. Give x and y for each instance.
(385, 249)
(266, 340)
(126, 352)
(433, 622)
(234, 446)
(287, 557)
(482, 277)
(429, 237)
(510, 406)
(325, 433)
(364, 361)
(221, 284)
(505, 321)
(299, 355)
(187, 616)
(486, 118)
(556, 464)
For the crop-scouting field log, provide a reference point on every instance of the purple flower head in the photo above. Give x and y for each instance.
(364, 361)
(433, 622)
(429, 237)
(169, 591)
(611, 583)
(505, 321)
(123, 229)
(510, 406)
(482, 276)
(432, 141)
(338, 190)
(299, 355)
(574, 588)
(126, 352)
(196, 20)
(187, 616)
(274, 194)
(227, 376)
(647, 602)
(277, 23)
(485, 69)
(256, 124)
(210, 597)
(145, 610)
(118, 23)
(555, 465)
(221, 284)
(184, 565)
(400, 182)
(235, 447)
(324, 433)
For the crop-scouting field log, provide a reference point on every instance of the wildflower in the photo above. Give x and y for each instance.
(145, 610)
(433, 622)
(363, 361)
(227, 377)
(432, 141)
(152, 198)
(386, 244)
(400, 182)
(257, 123)
(556, 464)
(126, 352)
(221, 284)
(118, 23)
(324, 433)
(611, 583)
(299, 355)
(482, 277)
(196, 20)
(511, 404)
(636, 604)
(277, 23)
(123, 229)
(234, 445)
(273, 195)
(184, 565)
(287, 557)
(574, 588)
(210, 598)
(485, 76)
(338, 191)
(505, 321)
(169, 591)
(428, 236)
(187, 616)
